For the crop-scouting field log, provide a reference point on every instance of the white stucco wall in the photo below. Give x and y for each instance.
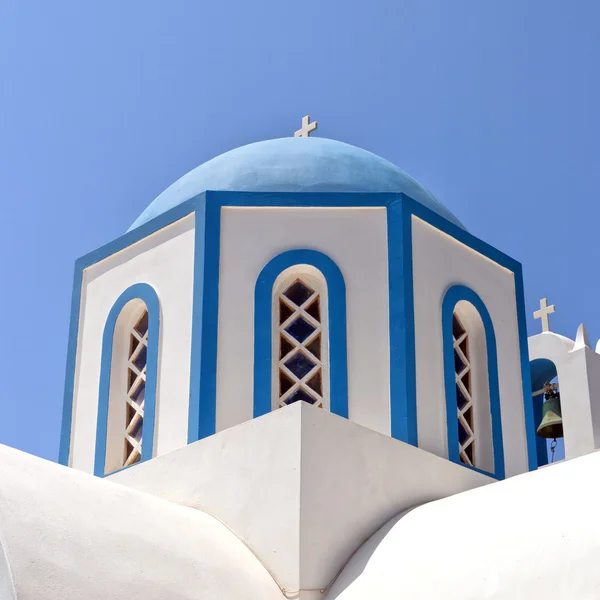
(531, 537)
(578, 370)
(356, 240)
(165, 261)
(301, 486)
(69, 536)
(439, 262)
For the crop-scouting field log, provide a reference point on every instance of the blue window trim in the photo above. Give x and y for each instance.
(147, 294)
(403, 370)
(263, 328)
(207, 206)
(203, 389)
(200, 308)
(454, 295)
(86, 261)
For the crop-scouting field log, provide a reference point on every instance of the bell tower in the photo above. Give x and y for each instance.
(565, 390)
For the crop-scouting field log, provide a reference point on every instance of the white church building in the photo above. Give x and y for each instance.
(298, 375)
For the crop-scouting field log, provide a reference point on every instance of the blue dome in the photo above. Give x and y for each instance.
(294, 165)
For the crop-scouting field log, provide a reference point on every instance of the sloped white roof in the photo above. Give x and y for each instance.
(532, 536)
(65, 535)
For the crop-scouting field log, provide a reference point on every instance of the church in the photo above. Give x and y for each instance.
(298, 375)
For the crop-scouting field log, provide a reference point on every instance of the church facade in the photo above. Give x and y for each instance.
(293, 364)
(253, 300)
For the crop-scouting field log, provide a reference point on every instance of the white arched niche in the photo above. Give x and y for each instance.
(470, 347)
(127, 387)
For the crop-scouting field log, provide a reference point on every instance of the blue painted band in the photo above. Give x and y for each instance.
(203, 402)
(196, 355)
(403, 392)
(263, 328)
(147, 294)
(454, 295)
(533, 451)
(207, 208)
(83, 263)
(67, 410)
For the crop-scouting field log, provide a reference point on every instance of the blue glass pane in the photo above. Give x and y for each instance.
(142, 325)
(461, 400)
(140, 361)
(458, 363)
(139, 393)
(136, 432)
(300, 396)
(457, 329)
(299, 365)
(300, 329)
(462, 433)
(298, 293)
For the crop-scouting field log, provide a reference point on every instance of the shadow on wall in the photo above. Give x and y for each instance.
(543, 371)
(355, 566)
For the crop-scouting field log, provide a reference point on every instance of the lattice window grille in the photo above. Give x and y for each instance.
(300, 366)
(136, 388)
(464, 394)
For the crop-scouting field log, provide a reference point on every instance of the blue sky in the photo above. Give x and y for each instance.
(491, 105)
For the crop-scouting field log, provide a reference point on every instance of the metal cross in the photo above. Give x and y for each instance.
(543, 313)
(306, 128)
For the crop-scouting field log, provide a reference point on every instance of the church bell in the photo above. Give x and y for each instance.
(551, 425)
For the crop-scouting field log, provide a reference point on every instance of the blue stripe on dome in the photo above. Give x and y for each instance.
(294, 165)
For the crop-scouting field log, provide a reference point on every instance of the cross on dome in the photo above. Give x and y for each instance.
(306, 128)
(544, 313)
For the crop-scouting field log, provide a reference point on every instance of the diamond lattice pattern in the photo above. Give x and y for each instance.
(464, 399)
(136, 388)
(300, 367)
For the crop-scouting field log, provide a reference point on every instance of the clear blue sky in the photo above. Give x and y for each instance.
(492, 105)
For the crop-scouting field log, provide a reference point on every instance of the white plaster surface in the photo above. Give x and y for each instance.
(578, 370)
(532, 536)
(356, 240)
(165, 261)
(439, 262)
(301, 486)
(70, 536)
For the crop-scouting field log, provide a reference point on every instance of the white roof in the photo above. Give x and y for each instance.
(532, 536)
(67, 535)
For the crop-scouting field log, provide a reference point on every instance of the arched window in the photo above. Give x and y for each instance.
(300, 341)
(128, 379)
(474, 424)
(135, 388)
(471, 383)
(323, 277)
(464, 392)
